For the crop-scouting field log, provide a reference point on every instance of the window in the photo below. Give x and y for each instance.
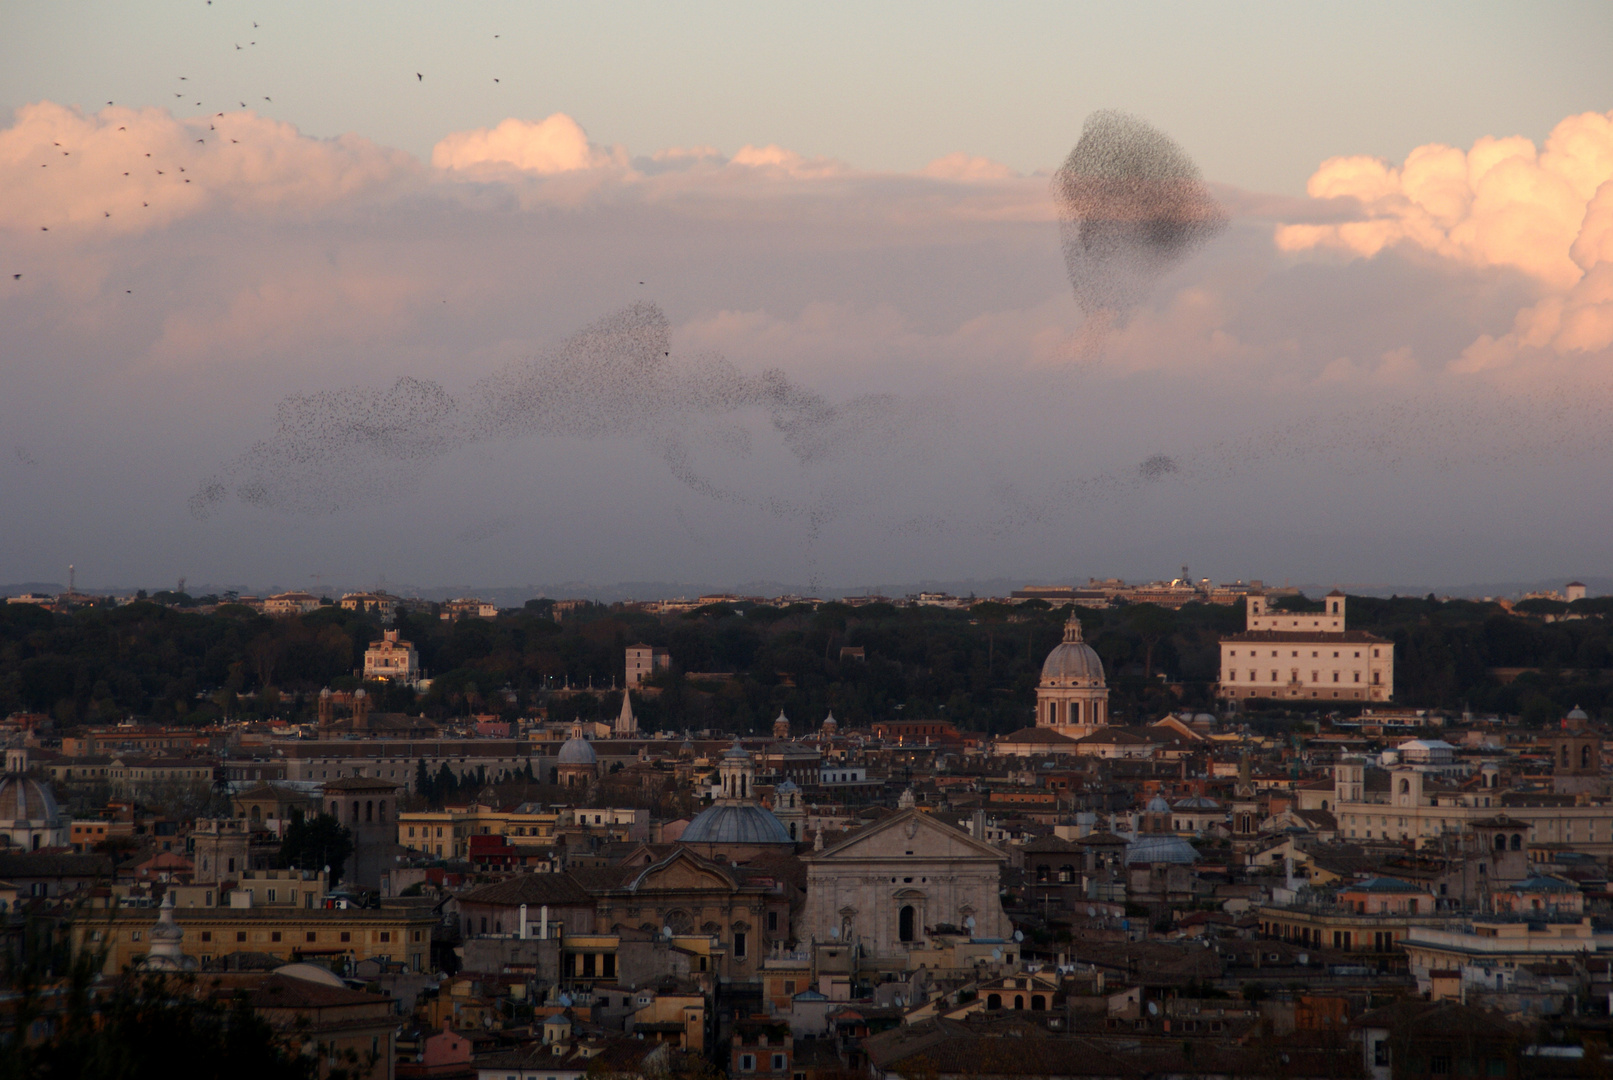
(311, 936)
(274, 935)
(747, 1062)
(779, 1064)
(347, 935)
(739, 941)
(772, 920)
(995, 1001)
(240, 935)
(904, 923)
(271, 896)
(207, 935)
(386, 937)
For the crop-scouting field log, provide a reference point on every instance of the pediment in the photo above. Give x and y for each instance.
(908, 834)
(682, 871)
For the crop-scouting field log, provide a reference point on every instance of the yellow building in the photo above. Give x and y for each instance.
(445, 833)
(400, 934)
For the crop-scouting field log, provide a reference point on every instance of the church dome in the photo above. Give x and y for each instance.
(787, 787)
(577, 751)
(735, 823)
(1073, 658)
(24, 799)
(1158, 805)
(1160, 848)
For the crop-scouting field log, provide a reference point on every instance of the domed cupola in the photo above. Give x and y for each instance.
(29, 817)
(1072, 698)
(576, 765)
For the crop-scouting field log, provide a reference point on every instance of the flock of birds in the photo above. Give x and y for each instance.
(1131, 206)
(173, 167)
(333, 450)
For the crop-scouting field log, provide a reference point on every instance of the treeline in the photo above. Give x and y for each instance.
(976, 668)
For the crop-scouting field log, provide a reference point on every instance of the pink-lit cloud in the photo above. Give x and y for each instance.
(555, 144)
(120, 171)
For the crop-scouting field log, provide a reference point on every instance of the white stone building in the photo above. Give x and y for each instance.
(887, 887)
(1305, 655)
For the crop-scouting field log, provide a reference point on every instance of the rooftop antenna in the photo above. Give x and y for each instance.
(181, 589)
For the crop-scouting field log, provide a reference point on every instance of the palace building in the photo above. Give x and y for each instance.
(1305, 655)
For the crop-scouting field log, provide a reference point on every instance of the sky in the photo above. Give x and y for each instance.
(505, 294)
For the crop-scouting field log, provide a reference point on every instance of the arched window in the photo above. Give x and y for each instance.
(1565, 757)
(257, 815)
(1500, 842)
(1517, 839)
(1075, 712)
(1405, 785)
(1038, 1003)
(995, 1001)
(355, 811)
(1019, 1002)
(369, 810)
(1066, 874)
(1584, 757)
(904, 920)
(380, 810)
(792, 830)
(1042, 872)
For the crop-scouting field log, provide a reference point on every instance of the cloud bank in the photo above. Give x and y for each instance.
(685, 361)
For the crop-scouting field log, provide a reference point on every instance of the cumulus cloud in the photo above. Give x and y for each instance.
(1546, 212)
(555, 144)
(123, 170)
(1502, 203)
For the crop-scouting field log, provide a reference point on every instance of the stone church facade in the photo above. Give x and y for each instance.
(889, 886)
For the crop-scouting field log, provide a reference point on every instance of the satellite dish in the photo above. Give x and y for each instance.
(834, 931)
(996, 954)
(969, 922)
(666, 931)
(1153, 1008)
(565, 999)
(1019, 935)
(1092, 911)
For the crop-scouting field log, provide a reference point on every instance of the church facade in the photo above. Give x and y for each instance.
(887, 888)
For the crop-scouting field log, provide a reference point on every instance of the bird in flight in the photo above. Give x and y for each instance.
(268, 99)
(16, 277)
(419, 76)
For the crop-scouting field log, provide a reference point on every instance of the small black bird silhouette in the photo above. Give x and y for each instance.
(183, 79)
(123, 129)
(105, 213)
(16, 277)
(238, 48)
(495, 80)
(266, 98)
(419, 76)
(243, 104)
(128, 290)
(235, 140)
(145, 204)
(42, 228)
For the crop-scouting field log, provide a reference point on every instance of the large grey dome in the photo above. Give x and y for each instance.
(1160, 848)
(1072, 658)
(577, 751)
(736, 823)
(24, 799)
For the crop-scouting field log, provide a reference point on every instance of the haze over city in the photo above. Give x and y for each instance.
(379, 295)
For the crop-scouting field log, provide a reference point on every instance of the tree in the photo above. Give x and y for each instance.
(144, 1026)
(312, 845)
